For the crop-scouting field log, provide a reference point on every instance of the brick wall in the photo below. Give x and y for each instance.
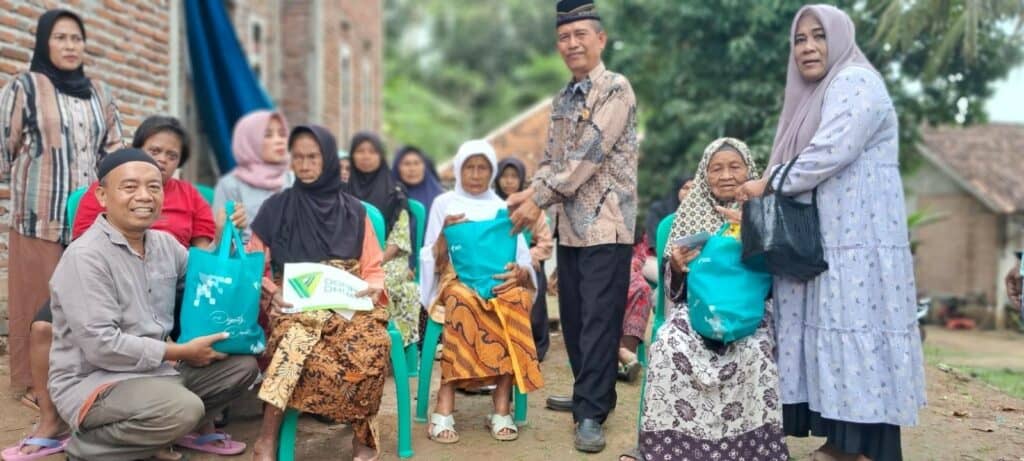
(958, 256)
(337, 25)
(297, 46)
(127, 47)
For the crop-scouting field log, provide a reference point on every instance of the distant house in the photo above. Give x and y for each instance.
(974, 177)
(524, 136)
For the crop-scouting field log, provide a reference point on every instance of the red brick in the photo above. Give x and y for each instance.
(116, 57)
(11, 20)
(8, 68)
(6, 36)
(29, 12)
(114, 5)
(14, 53)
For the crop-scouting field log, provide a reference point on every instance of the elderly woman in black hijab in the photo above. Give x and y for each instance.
(54, 109)
(321, 362)
(372, 182)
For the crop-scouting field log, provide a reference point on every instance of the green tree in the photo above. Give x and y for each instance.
(707, 69)
(459, 68)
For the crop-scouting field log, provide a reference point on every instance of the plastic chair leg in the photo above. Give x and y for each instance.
(641, 353)
(412, 360)
(402, 394)
(286, 436)
(432, 335)
(520, 407)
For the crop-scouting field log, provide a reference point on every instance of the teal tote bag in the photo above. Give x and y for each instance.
(479, 250)
(726, 298)
(222, 294)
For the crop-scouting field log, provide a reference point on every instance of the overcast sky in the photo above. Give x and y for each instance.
(1007, 104)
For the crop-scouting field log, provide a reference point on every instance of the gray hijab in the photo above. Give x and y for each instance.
(801, 110)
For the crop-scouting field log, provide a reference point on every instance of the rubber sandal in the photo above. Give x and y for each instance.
(440, 424)
(206, 443)
(498, 423)
(49, 447)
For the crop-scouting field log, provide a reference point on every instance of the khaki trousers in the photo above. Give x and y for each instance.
(136, 418)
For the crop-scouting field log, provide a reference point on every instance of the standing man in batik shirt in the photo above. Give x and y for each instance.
(588, 178)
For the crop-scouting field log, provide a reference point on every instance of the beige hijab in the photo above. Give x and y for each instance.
(697, 212)
(801, 110)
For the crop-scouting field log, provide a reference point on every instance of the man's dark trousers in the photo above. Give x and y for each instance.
(593, 283)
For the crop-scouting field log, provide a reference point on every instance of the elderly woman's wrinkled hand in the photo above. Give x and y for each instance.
(731, 215)
(372, 293)
(1013, 286)
(515, 276)
(277, 303)
(751, 189)
(681, 258)
(454, 219)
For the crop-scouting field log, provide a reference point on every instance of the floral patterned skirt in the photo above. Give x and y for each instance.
(712, 403)
(403, 299)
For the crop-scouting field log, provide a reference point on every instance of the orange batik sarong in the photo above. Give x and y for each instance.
(483, 340)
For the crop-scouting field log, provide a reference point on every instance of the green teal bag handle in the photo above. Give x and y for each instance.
(226, 237)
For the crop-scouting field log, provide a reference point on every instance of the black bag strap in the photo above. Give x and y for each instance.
(785, 174)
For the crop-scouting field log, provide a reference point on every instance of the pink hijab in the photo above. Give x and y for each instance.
(247, 145)
(801, 110)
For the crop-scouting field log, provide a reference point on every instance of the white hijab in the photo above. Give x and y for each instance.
(478, 207)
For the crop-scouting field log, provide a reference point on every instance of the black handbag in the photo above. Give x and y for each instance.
(781, 235)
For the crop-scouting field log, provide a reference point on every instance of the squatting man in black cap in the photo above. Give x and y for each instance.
(112, 375)
(588, 179)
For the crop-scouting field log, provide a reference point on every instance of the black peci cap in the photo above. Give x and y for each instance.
(576, 10)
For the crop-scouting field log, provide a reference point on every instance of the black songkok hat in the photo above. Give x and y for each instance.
(120, 157)
(576, 10)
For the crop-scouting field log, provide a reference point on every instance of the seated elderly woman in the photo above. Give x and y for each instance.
(701, 392)
(321, 362)
(485, 341)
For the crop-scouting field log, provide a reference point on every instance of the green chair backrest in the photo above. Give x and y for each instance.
(377, 219)
(664, 229)
(420, 213)
(207, 193)
(73, 200)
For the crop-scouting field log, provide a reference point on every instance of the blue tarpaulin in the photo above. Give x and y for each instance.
(225, 86)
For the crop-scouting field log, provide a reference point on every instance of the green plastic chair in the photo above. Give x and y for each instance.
(430, 340)
(289, 427)
(207, 193)
(73, 201)
(664, 229)
(419, 212)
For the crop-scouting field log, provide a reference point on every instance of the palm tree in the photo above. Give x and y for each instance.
(961, 24)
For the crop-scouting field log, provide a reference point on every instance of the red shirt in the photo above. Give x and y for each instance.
(185, 214)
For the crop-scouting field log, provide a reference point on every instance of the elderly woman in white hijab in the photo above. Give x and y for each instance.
(850, 356)
(486, 342)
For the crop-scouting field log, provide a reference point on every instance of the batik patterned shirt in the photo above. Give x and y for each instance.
(588, 173)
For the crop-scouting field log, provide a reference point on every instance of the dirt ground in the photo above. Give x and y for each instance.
(965, 420)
